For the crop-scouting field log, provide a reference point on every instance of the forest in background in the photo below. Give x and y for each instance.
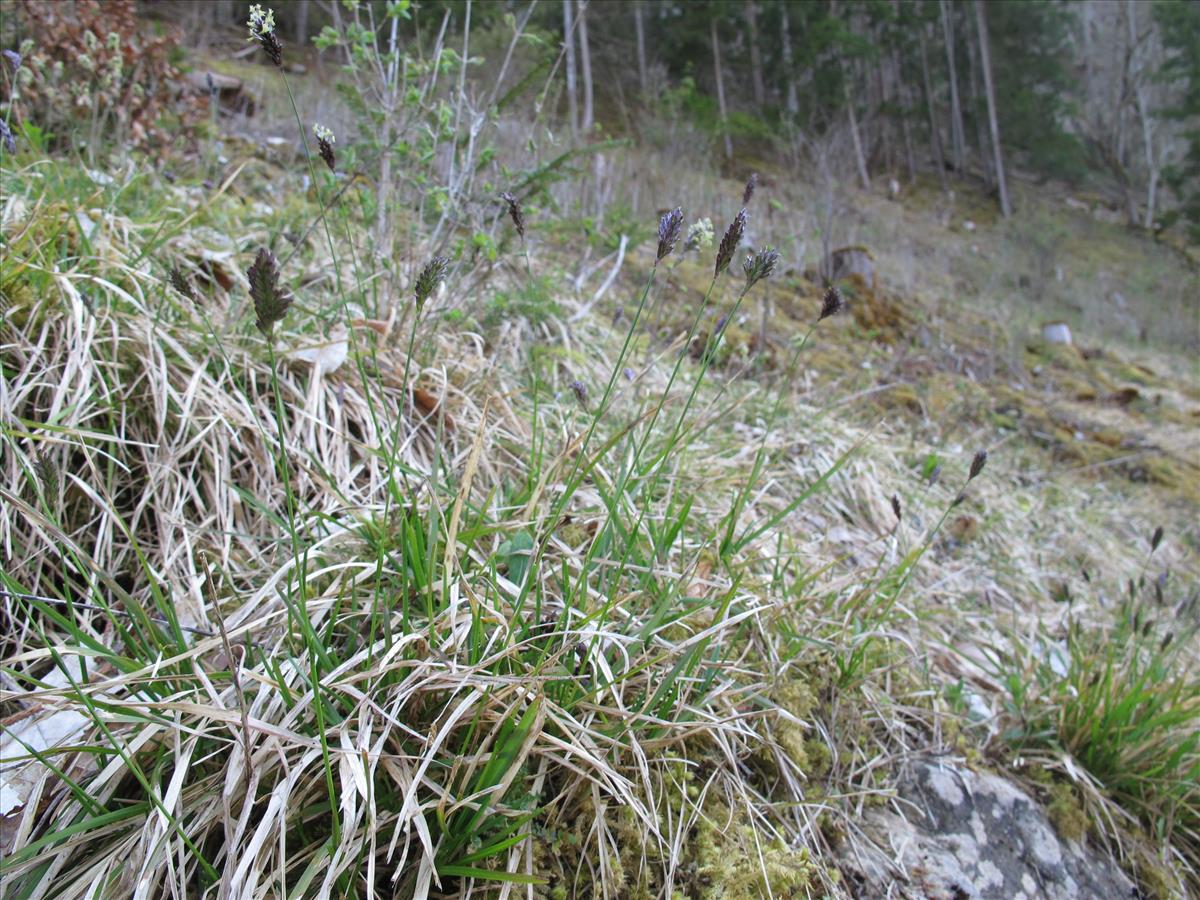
(1102, 95)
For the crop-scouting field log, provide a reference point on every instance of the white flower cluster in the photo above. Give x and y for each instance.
(699, 235)
(260, 22)
(324, 134)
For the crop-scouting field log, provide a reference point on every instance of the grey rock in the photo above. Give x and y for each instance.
(849, 261)
(968, 835)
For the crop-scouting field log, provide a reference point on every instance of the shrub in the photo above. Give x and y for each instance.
(89, 70)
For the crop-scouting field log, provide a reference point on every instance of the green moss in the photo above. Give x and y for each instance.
(732, 864)
(1067, 814)
(796, 698)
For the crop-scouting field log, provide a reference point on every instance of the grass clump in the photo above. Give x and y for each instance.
(1123, 701)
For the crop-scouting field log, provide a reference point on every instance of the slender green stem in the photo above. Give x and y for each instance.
(575, 477)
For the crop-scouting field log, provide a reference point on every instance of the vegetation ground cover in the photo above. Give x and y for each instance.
(442, 570)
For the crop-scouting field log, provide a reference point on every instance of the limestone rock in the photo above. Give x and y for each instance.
(969, 835)
(849, 261)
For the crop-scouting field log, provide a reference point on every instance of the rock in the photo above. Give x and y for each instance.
(967, 835)
(849, 261)
(231, 94)
(1056, 333)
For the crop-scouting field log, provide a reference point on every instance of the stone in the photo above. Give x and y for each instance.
(968, 835)
(849, 261)
(1056, 333)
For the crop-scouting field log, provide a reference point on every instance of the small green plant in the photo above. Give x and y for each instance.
(1124, 701)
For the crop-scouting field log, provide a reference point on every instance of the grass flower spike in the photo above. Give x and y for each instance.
(271, 302)
(751, 184)
(759, 266)
(180, 283)
(831, 304)
(262, 29)
(325, 142)
(669, 228)
(730, 242)
(977, 464)
(431, 276)
(515, 212)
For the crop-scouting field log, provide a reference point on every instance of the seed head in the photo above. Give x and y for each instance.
(515, 212)
(977, 464)
(1156, 538)
(579, 389)
(759, 266)
(699, 235)
(262, 29)
(669, 227)
(731, 241)
(271, 301)
(6, 137)
(181, 284)
(14, 59)
(47, 473)
(325, 142)
(896, 507)
(431, 276)
(831, 304)
(751, 184)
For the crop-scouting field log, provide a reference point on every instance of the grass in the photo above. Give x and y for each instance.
(429, 622)
(1122, 703)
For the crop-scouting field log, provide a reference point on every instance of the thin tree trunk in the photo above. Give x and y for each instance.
(585, 69)
(640, 28)
(1151, 163)
(986, 61)
(859, 156)
(716, 48)
(904, 91)
(1139, 96)
(910, 153)
(935, 135)
(985, 159)
(572, 88)
(756, 67)
(300, 34)
(956, 124)
(789, 72)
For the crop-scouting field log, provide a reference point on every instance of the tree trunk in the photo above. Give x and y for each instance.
(904, 93)
(956, 124)
(910, 155)
(585, 69)
(756, 68)
(716, 48)
(935, 135)
(859, 157)
(985, 158)
(789, 71)
(640, 30)
(569, 38)
(985, 60)
(1139, 96)
(300, 35)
